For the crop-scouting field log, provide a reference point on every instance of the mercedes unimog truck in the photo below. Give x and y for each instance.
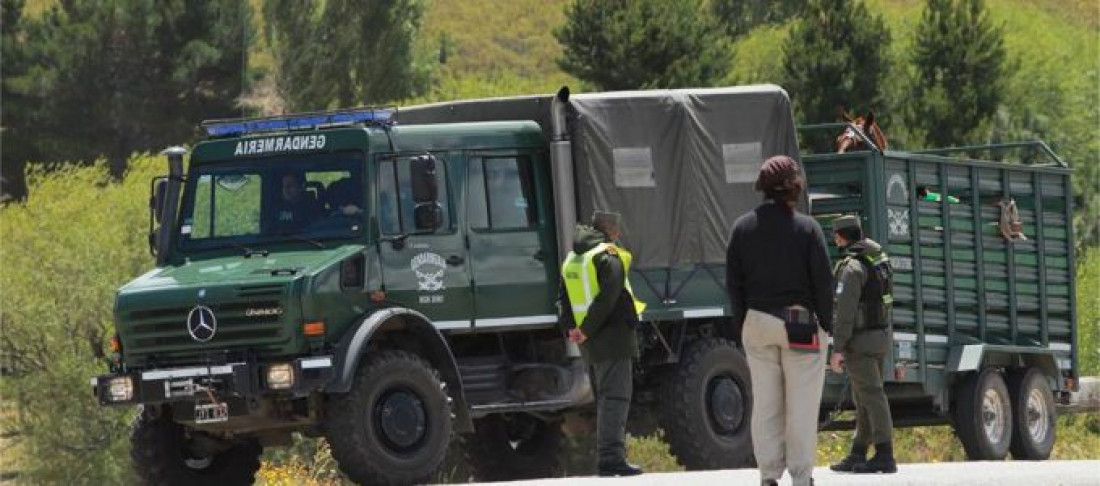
(387, 279)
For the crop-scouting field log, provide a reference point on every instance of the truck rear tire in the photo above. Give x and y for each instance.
(508, 447)
(1033, 415)
(161, 457)
(706, 405)
(983, 416)
(394, 425)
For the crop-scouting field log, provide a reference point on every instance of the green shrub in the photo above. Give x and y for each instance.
(64, 253)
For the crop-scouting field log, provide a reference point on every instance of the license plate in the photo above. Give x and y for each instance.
(211, 413)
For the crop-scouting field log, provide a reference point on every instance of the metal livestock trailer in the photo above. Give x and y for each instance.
(984, 313)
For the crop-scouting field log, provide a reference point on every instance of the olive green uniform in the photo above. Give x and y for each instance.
(864, 346)
(611, 345)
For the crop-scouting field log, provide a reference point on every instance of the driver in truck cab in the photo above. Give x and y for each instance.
(600, 311)
(295, 208)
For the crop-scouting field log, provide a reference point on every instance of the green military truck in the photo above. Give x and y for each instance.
(386, 279)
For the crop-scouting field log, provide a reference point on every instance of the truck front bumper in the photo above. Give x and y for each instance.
(293, 379)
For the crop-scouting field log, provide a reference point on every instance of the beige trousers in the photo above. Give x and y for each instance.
(786, 398)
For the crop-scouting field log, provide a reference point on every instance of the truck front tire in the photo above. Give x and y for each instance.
(706, 405)
(394, 425)
(983, 416)
(1033, 415)
(161, 456)
(508, 447)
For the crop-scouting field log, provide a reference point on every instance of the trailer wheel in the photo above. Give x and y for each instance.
(162, 456)
(507, 447)
(1033, 415)
(394, 425)
(706, 405)
(983, 416)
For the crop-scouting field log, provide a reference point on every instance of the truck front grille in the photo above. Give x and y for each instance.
(164, 331)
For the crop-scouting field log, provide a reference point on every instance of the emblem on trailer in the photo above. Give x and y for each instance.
(896, 190)
(898, 220)
(201, 324)
(430, 269)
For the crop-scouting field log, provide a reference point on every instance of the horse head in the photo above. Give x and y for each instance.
(850, 138)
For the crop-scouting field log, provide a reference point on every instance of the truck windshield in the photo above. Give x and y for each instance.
(299, 198)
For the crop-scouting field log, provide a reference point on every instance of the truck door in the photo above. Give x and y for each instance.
(425, 270)
(512, 256)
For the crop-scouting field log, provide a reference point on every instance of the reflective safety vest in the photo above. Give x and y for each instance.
(582, 283)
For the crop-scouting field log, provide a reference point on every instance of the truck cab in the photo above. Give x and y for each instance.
(266, 305)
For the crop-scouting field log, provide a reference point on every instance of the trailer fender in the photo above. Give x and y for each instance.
(356, 343)
(974, 357)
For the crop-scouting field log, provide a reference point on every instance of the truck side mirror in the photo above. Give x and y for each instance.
(427, 213)
(156, 197)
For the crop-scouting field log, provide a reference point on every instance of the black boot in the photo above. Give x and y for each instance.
(883, 462)
(857, 456)
(618, 469)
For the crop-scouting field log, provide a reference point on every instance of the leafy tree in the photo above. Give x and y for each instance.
(961, 67)
(836, 58)
(637, 44)
(62, 264)
(741, 16)
(342, 53)
(110, 77)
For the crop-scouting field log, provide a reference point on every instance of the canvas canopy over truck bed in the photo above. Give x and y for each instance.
(678, 164)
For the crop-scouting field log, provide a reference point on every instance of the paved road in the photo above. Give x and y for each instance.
(1003, 473)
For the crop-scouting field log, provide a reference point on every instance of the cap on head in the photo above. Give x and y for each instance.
(602, 219)
(776, 171)
(845, 222)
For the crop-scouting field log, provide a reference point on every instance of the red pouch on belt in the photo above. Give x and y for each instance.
(801, 327)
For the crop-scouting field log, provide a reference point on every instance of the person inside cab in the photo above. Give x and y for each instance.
(296, 208)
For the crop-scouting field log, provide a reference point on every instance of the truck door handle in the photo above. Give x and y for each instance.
(455, 260)
(539, 255)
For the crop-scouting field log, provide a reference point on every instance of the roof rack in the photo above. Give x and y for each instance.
(299, 121)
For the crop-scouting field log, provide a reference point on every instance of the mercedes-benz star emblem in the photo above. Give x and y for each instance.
(201, 324)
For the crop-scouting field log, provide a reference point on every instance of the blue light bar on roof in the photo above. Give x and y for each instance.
(232, 128)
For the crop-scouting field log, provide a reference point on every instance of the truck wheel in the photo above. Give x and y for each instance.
(394, 425)
(706, 405)
(507, 447)
(161, 456)
(1033, 415)
(983, 416)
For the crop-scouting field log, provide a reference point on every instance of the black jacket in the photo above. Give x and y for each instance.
(608, 324)
(777, 258)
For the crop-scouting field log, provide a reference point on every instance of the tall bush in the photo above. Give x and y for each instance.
(64, 254)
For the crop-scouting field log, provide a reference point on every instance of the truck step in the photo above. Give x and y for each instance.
(483, 379)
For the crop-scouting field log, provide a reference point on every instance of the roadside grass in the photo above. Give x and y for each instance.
(1078, 439)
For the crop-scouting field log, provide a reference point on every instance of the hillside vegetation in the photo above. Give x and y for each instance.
(80, 235)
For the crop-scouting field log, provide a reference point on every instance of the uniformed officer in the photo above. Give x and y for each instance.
(781, 293)
(601, 313)
(861, 338)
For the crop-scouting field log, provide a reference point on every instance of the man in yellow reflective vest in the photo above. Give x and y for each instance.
(599, 309)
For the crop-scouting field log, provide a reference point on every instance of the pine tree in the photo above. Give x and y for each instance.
(112, 77)
(741, 16)
(343, 53)
(640, 44)
(15, 111)
(835, 59)
(960, 62)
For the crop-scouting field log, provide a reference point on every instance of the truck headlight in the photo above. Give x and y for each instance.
(120, 389)
(280, 376)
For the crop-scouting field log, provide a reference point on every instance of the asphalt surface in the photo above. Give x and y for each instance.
(1003, 473)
